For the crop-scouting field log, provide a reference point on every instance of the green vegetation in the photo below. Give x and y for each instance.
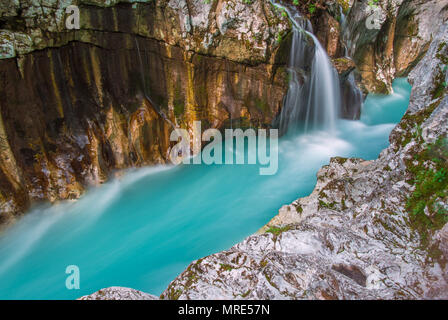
(429, 167)
(299, 208)
(415, 120)
(430, 178)
(311, 8)
(345, 4)
(178, 103)
(339, 160)
(440, 80)
(279, 38)
(244, 295)
(226, 267)
(179, 109)
(310, 5)
(263, 106)
(323, 204)
(276, 231)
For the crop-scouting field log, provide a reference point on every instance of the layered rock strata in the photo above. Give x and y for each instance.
(369, 230)
(388, 39)
(78, 104)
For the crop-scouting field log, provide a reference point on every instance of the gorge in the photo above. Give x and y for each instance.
(144, 228)
(76, 106)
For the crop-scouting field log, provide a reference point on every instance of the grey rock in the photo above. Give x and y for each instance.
(9, 8)
(119, 293)
(405, 30)
(350, 239)
(423, 76)
(233, 29)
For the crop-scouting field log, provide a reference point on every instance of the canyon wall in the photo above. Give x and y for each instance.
(78, 104)
(369, 230)
(388, 39)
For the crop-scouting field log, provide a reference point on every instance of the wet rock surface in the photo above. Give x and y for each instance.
(78, 104)
(74, 108)
(353, 237)
(119, 293)
(400, 34)
(232, 29)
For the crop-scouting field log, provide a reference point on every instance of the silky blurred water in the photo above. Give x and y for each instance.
(143, 229)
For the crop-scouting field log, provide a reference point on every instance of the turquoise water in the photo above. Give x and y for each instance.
(143, 229)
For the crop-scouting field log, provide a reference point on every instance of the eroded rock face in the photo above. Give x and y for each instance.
(328, 30)
(78, 104)
(231, 29)
(119, 293)
(353, 237)
(404, 31)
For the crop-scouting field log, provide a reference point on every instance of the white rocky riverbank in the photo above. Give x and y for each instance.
(352, 237)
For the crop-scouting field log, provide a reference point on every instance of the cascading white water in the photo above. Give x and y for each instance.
(343, 19)
(313, 98)
(323, 102)
(143, 230)
(343, 23)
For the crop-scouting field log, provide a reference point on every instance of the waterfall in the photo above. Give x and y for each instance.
(313, 98)
(343, 19)
(343, 22)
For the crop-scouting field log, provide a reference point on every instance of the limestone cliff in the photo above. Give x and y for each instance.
(77, 104)
(369, 230)
(119, 293)
(388, 39)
